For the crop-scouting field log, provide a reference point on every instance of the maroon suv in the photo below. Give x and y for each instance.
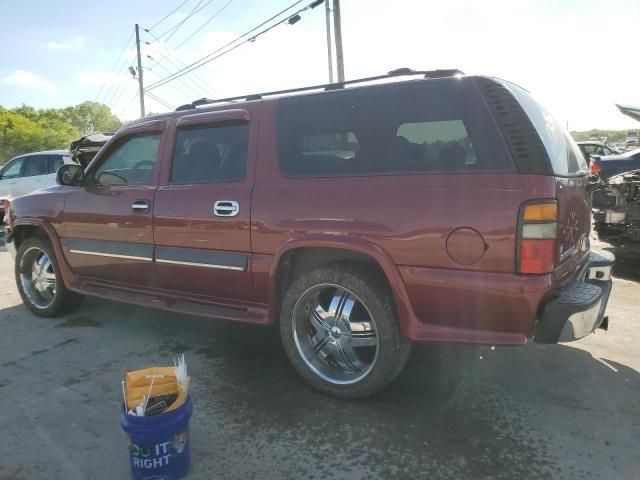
(361, 217)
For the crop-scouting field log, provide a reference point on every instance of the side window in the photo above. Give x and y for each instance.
(13, 169)
(443, 145)
(210, 154)
(55, 162)
(35, 165)
(590, 149)
(131, 162)
(388, 130)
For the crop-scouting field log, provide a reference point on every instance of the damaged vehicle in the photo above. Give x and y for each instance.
(84, 149)
(616, 211)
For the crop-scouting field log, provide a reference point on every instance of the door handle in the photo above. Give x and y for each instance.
(226, 208)
(141, 206)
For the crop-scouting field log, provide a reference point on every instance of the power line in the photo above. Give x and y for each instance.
(199, 84)
(204, 24)
(177, 26)
(194, 92)
(127, 104)
(161, 101)
(118, 59)
(210, 57)
(167, 15)
(209, 20)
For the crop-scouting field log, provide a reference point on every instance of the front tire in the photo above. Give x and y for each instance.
(39, 280)
(339, 328)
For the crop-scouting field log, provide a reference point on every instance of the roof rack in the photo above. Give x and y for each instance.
(400, 72)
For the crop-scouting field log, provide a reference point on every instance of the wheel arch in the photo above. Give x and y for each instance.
(302, 254)
(25, 228)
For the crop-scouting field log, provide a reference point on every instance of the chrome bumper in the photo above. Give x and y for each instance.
(579, 306)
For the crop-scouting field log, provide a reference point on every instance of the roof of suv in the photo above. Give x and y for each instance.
(379, 80)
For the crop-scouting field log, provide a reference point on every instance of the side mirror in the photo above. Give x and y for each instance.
(70, 175)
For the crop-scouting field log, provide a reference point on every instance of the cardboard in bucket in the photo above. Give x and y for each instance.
(156, 413)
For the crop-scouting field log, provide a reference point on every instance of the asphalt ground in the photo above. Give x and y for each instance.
(563, 411)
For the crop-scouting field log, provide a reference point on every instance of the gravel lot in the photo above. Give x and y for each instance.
(565, 411)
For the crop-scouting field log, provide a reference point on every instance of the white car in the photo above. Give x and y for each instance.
(30, 172)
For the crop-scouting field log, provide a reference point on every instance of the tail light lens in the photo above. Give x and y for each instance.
(595, 168)
(5, 207)
(537, 234)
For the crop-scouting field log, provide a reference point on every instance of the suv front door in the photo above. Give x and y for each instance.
(202, 209)
(107, 231)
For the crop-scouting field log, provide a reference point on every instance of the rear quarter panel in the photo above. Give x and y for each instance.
(410, 218)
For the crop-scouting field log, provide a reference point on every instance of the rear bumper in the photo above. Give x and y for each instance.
(578, 309)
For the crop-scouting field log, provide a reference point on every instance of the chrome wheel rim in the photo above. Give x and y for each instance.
(335, 334)
(38, 277)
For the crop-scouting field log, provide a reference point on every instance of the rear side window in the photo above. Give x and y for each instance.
(423, 127)
(564, 154)
(36, 165)
(210, 154)
(55, 162)
(440, 140)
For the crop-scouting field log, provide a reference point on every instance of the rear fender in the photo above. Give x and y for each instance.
(406, 316)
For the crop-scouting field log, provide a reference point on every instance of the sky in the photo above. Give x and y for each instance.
(578, 57)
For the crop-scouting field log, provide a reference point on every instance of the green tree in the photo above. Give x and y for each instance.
(90, 117)
(25, 129)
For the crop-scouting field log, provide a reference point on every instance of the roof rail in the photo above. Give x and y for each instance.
(400, 72)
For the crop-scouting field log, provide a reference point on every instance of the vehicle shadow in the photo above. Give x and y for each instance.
(459, 411)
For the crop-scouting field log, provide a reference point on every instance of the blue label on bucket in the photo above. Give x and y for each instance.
(158, 456)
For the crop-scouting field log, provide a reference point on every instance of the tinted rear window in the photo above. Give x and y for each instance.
(423, 127)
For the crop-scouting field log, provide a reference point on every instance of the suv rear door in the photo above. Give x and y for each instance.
(107, 232)
(203, 205)
(34, 174)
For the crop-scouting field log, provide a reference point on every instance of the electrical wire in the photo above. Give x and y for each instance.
(127, 104)
(195, 79)
(113, 68)
(177, 26)
(159, 100)
(167, 15)
(204, 24)
(212, 56)
(179, 90)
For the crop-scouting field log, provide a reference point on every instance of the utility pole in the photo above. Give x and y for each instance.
(140, 84)
(329, 54)
(337, 31)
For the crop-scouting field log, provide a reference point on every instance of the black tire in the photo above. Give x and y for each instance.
(64, 300)
(371, 290)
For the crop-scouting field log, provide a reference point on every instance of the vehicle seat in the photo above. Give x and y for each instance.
(452, 156)
(200, 165)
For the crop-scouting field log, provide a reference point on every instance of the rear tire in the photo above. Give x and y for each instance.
(39, 280)
(339, 328)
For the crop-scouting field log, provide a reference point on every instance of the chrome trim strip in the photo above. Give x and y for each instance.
(206, 265)
(112, 255)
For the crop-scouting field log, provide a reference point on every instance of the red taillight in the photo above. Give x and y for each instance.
(595, 168)
(537, 232)
(537, 256)
(5, 208)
